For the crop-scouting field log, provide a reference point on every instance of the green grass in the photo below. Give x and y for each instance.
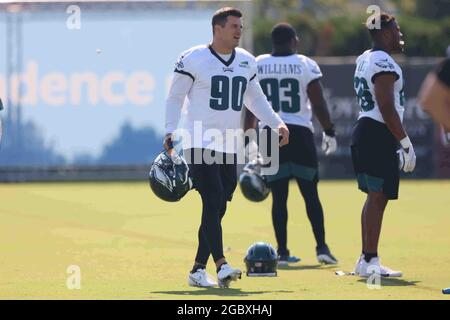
(130, 245)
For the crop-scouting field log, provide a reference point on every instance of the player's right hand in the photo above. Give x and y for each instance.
(329, 142)
(407, 156)
(283, 131)
(168, 143)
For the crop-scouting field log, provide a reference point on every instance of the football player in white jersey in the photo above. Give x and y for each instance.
(378, 83)
(216, 79)
(291, 83)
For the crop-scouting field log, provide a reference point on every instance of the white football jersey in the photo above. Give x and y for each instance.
(284, 80)
(369, 64)
(216, 96)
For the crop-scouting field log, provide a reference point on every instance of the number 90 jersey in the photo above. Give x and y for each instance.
(284, 80)
(217, 94)
(369, 65)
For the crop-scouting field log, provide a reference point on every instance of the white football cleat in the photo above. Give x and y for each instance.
(366, 269)
(358, 265)
(201, 279)
(227, 274)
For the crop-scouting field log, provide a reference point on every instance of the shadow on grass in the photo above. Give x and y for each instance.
(233, 292)
(306, 267)
(393, 282)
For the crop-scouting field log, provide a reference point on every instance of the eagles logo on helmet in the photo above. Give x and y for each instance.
(169, 176)
(253, 184)
(261, 260)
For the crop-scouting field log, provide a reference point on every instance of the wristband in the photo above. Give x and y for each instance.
(405, 143)
(330, 132)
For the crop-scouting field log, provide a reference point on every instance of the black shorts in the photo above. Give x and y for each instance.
(298, 159)
(375, 159)
(216, 178)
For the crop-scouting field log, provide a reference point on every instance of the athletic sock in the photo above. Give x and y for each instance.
(218, 268)
(197, 266)
(369, 256)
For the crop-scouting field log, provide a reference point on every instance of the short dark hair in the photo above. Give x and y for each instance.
(385, 21)
(221, 15)
(282, 34)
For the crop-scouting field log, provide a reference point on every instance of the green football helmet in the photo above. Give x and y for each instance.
(169, 177)
(261, 260)
(253, 184)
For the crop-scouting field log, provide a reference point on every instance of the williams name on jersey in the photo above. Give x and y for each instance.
(284, 80)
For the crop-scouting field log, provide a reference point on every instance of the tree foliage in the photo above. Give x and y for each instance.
(335, 28)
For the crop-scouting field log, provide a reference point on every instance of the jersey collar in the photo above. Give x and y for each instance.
(377, 49)
(282, 54)
(227, 63)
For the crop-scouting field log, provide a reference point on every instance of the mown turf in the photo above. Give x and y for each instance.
(130, 245)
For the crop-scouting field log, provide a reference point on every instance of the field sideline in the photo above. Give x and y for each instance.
(130, 245)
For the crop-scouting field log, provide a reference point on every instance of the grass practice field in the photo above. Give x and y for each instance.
(130, 245)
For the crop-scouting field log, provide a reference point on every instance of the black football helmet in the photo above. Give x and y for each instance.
(253, 184)
(261, 260)
(169, 176)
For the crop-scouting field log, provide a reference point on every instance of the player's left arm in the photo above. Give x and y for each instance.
(313, 74)
(257, 103)
(250, 121)
(319, 105)
(384, 94)
(320, 109)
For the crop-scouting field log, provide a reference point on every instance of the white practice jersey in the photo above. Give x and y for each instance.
(215, 92)
(368, 65)
(284, 80)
